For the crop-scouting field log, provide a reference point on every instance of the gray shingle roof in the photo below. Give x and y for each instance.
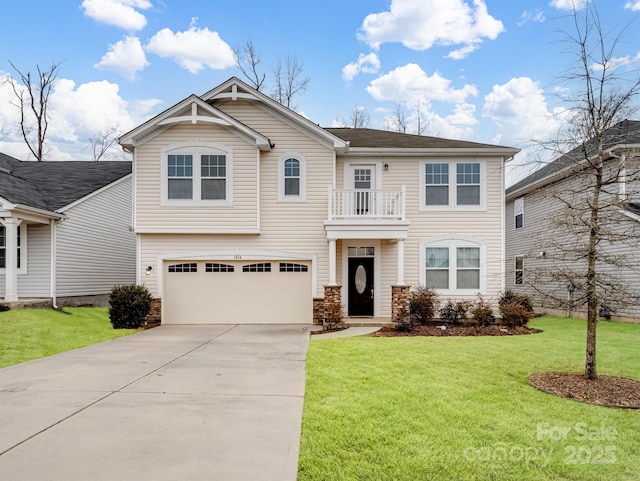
(53, 185)
(625, 132)
(386, 139)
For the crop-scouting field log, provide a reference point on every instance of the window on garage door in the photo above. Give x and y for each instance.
(187, 267)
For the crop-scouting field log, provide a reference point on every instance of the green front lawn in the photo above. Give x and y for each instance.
(27, 334)
(461, 409)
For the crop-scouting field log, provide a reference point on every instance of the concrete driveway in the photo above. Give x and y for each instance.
(171, 403)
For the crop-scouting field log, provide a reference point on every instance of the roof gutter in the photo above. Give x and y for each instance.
(42, 212)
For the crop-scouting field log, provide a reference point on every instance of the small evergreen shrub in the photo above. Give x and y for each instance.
(333, 316)
(482, 312)
(454, 312)
(423, 305)
(129, 304)
(515, 309)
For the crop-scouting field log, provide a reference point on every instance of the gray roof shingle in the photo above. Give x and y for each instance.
(53, 185)
(373, 138)
(625, 132)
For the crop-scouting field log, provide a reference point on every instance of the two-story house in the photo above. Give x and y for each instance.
(547, 221)
(247, 212)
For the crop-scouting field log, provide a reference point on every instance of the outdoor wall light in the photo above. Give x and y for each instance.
(386, 167)
(148, 271)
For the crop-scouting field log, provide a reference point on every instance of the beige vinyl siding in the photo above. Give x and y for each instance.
(35, 282)
(296, 227)
(484, 225)
(95, 246)
(152, 215)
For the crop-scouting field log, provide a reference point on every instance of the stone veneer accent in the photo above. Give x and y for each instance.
(331, 294)
(154, 317)
(399, 301)
(318, 310)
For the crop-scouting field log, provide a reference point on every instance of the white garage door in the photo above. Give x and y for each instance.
(232, 292)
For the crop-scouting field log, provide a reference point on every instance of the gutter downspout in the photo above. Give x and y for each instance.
(54, 301)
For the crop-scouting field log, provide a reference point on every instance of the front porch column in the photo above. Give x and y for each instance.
(332, 262)
(11, 258)
(400, 251)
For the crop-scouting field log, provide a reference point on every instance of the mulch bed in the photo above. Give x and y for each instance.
(608, 391)
(450, 330)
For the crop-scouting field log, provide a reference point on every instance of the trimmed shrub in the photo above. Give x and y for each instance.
(129, 304)
(482, 312)
(333, 316)
(515, 309)
(423, 305)
(454, 312)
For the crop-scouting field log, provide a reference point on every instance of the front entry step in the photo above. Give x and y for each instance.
(355, 321)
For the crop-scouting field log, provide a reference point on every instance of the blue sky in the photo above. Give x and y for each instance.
(481, 70)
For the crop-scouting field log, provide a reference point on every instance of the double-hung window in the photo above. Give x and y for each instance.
(292, 177)
(518, 211)
(452, 184)
(452, 266)
(3, 247)
(198, 174)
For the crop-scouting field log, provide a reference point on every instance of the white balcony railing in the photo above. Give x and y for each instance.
(366, 204)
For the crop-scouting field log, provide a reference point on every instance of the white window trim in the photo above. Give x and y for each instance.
(518, 209)
(302, 197)
(452, 242)
(515, 260)
(197, 149)
(347, 179)
(452, 185)
(23, 250)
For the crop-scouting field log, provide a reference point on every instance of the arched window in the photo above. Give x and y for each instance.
(292, 177)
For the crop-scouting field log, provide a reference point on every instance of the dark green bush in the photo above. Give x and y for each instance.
(454, 312)
(515, 309)
(482, 312)
(129, 305)
(423, 304)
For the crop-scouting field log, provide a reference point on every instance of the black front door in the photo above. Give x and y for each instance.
(361, 286)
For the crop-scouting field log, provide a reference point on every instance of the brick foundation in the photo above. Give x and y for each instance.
(399, 301)
(154, 317)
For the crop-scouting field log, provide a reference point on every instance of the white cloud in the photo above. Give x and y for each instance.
(120, 13)
(77, 113)
(369, 63)
(527, 16)
(421, 25)
(634, 6)
(125, 57)
(568, 4)
(520, 111)
(193, 49)
(616, 62)
(412, 84)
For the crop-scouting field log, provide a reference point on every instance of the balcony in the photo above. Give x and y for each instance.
(366, 204)
(366, 214)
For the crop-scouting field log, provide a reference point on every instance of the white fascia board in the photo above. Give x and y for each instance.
(504, 153)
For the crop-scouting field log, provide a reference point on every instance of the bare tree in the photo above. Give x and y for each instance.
(601, 96)
(359, 117)
(289, 81)
(398, 120)
(33, 102)
(103, 144)
(421, 120)
(247, 61)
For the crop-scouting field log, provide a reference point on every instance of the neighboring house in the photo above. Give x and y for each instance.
(245, 211)
(66, 232)
(545, 241)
